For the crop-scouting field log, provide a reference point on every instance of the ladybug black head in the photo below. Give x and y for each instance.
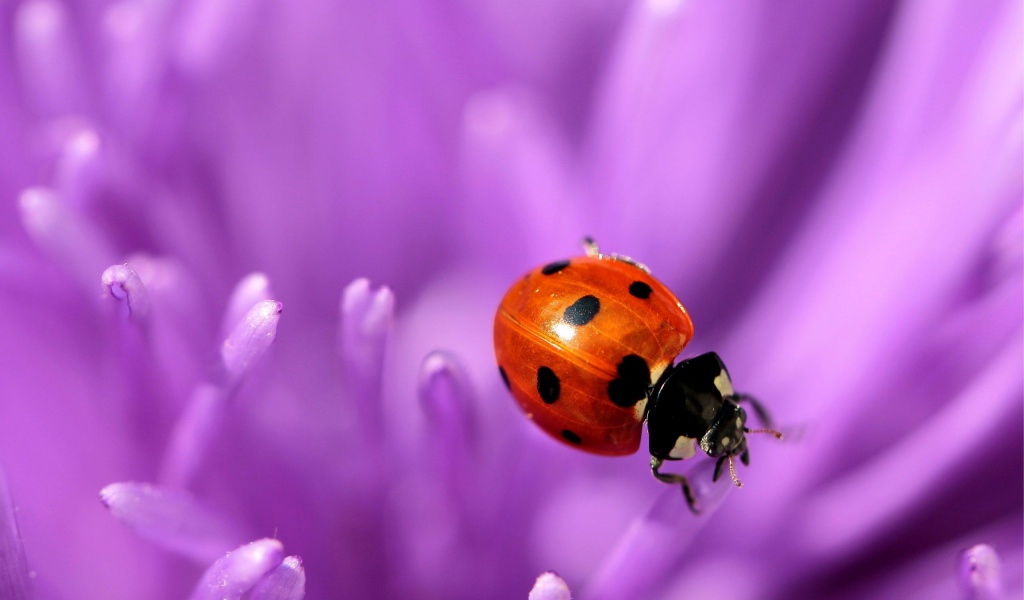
(726, 437)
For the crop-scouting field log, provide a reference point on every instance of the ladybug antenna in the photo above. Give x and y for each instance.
(732, 473)
(776, 434)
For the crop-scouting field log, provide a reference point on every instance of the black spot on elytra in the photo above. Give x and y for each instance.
(633, 381)
(571, 437)
(582, 311)
(552, 268)
(504, 377)
(548, 385)
(640, 290)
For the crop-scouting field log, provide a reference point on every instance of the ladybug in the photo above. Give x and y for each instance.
(586, 347)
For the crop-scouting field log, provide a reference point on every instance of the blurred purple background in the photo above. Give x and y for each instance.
(834, 190)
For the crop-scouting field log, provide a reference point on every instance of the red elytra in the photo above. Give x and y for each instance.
(579, 343)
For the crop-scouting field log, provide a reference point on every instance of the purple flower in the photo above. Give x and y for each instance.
(250, 254)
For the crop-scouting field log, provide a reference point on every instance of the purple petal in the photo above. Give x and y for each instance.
(192, 436)
(549, 586)
(518, 181)
(65, 235)
(920, 463)
(286, 582)
(236, 573)
(981, 573)
(250, 339)
(366, 321)
(210, 30)
(49, 57)
(647, 553)
(445, 397)
(172, 519)
(14, 574)
(125, 287)
(80, 168)
(252, 289)
(135, 54)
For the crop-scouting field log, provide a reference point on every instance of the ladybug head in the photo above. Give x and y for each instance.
(727, 435)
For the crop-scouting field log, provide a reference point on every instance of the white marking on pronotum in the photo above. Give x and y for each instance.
(683, 449)
(724, 385)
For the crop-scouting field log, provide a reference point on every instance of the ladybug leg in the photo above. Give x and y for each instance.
(759, 409)
(670, 478)
(745, 457)
(718, 468)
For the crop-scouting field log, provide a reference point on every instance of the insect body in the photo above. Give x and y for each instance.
(586, 347)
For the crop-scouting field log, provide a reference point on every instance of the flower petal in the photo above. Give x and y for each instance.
(125, 287)
(647, 553)
(252, 289)
(70, 239)
(518, 182)
(981, 573)
(367, 318)
(14, 573)
(192, 435)
(919, 463)
(172, 519)
(235, 574)
(49, 57)
(444, 396)
(286, 582)
(250, 339)
(549, 586)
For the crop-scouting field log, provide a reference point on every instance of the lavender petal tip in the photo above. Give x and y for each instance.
(14, 574)
(286, 582)
(444, 395)
(549, 586)
(980, 573)
(251, 290)
(124, 287)
(172, 519)
(251, 338)
(366, 314)
(239, 571)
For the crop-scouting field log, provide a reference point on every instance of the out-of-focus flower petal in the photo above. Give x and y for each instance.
(192, 435)
(49, 57)
(70, 239)
(125, 287)
(648, 552)
(251, 290)
(286, 582)
(549, 586)
(981, 573)
(445, 398)
(80, 168)
(173, 519)
(238, 571)
(677, 110)
(14, 574)
(210, 30)
(250, 339)
(521, 198)
(367, 317)
(920, 463)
